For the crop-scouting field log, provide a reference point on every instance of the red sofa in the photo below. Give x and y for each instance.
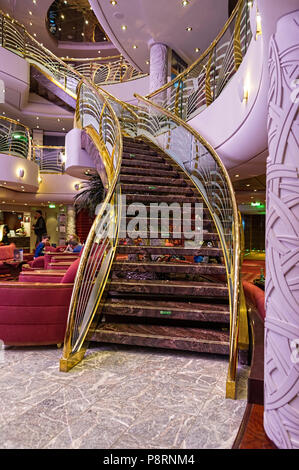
(255, 296)
(35, 313)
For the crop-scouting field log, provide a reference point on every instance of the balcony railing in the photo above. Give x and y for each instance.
(50, 159)
(201, 83)
(15, 138)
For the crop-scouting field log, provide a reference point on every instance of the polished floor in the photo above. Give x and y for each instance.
(119, 397)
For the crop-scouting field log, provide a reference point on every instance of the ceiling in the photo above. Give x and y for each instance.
(33, 14)
(163, 21)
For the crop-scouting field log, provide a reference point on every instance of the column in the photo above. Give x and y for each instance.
(158, 65)
(281, 407)
(71, 221)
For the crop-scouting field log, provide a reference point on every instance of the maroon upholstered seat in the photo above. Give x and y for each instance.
(33, 313)
(256, 296)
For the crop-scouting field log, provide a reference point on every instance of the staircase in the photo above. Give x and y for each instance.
(157, 295)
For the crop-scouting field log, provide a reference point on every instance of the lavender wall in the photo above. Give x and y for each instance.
(281, 415)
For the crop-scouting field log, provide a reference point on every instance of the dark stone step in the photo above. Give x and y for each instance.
(154, 180)
(130, 162)
(157, 198)
(185, 339)
(170, 310)
(153, 157)
(168, 267)
(167, 173)
(168, 288)
(206, 223)
(142, 187)
(168, 250)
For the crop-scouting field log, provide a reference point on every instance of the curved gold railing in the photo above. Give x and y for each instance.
(96, 117)
(106, 70)
(205, 168)
(14, 138)
(50, 159)
(200, 84)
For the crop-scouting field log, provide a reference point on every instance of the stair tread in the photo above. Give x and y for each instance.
(160, 266)
(174, 333)
(170, 250)
(168, 305)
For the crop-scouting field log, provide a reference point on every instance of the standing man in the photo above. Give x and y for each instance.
(40, 226)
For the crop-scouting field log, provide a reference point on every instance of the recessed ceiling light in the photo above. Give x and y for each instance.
(237, 176)
(123, 27)
(113, 2)
(188, 28)
(197, 49)
(34, 1)
(62, 17)
(185, 3)
(247, 185)
(86, 21)
(147, 62)
(31, 23)
(30, 12)
(99, 52)
(135, 47)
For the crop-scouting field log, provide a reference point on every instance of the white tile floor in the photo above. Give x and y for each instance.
(118, 398)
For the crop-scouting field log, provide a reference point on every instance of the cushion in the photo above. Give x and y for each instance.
(38, 262)
(7, 251)
(71, 272)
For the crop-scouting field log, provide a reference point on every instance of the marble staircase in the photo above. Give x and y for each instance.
(157, 294)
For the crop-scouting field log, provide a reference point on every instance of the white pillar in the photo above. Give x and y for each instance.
(71, 221)
(158, 65)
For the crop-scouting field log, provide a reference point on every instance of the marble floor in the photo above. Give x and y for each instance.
(119, 397)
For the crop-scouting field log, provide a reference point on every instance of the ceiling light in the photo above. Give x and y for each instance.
(113, 2)
(247, 185)
(135, 47)
(30, 23)
(189, 28)
(62, 17)
(237, 176)
(123, 27)
(34, 1)
(197, 49)
(99, 52)
(30, 12)
(185, 3)
(147, 62)
(86, 21)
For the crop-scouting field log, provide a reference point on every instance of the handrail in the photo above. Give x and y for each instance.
(14, 37)
(205, 168)
(50, 158)
(202, 82)
(96, 117)
(15, 138)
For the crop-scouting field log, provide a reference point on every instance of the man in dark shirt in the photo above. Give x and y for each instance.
(40, 226)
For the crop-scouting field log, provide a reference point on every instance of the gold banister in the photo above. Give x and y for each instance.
(230, 242)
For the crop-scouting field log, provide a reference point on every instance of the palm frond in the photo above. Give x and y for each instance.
(91, 195)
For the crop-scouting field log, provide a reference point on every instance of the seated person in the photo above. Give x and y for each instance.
(70, 247)
(39, 250)
(74, 246)
(5, 239)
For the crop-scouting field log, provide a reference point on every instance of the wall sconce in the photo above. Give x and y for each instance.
(258, 25)
(21, 172)
(243, 90)
(39, 179)
(77, 186)
(62, 157)
(245, 93)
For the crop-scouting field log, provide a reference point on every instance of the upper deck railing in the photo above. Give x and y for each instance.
(200, 84)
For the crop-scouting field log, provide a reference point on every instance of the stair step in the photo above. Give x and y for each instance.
(185, 339)
(130, 162)
(142, 187)
(168, 267)
(206, 223)
(169, 288)
(157, 198)
(201, 312)
(153, 180)
(167, 173)
(153, 157)
(168, 250)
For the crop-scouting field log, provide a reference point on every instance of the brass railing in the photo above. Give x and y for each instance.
(50, 159)
(14, 138)
(201, 83)
(106, 70)
(95, 115)
(205, 168)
